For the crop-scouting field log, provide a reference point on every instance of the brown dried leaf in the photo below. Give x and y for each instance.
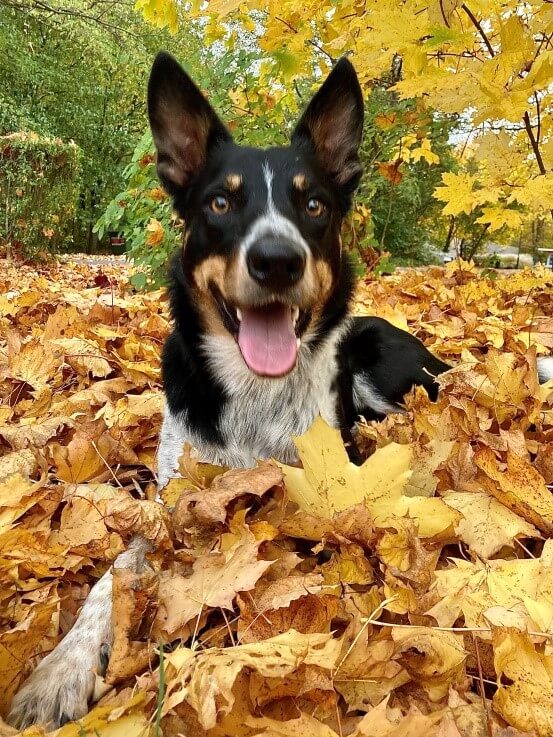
(133, 596)
(215, 580)
(209, 506)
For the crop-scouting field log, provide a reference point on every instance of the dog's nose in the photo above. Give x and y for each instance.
(276, 264)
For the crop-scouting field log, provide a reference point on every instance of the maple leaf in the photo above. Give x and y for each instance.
(129, 516)
(458, 192)
(20, 643)
(500, 217)
(210, 675)
(83, 528)
(156, 232)
(391, 171)
(115, 720)
(383, 721)
(308, 614)
(83, 355)
(215, 580)
(32, 434)
(329, 483)
(208, 507)
(82, 459)
(527, 703)
(487, 526)
(21, 461)
(509, 592)
(17, 495)
(432, 658)
(519, 487)
(133, 593)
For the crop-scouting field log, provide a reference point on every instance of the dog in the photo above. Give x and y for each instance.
(260, 298)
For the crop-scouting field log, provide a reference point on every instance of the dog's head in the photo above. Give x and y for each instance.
(262, 252)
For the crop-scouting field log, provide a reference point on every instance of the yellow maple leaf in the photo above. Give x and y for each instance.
(499, 592)
(500, 217)
(527, 702)
(20, 643)
(434, 658)
(160, 13)
(205, 679)
(424, 152)
(518, 486)
(457, 192)
(329, 482)
(487, 526)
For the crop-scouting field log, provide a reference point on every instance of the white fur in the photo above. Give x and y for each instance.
(260, 415)
(545, 369)
(365, 394)
(63, 684)
(272, 221)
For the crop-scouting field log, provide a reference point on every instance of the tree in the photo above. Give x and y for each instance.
(78, 71)
(488, 61)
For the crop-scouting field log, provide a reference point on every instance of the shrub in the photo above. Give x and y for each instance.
(39, 186)
(143, 215)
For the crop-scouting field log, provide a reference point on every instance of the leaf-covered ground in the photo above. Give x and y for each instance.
(410, 596)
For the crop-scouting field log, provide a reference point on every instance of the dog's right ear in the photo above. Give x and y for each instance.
(184, 125)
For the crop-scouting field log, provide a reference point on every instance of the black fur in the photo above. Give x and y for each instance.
(393, 360)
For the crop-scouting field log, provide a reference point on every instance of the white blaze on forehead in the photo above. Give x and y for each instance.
(272, 222)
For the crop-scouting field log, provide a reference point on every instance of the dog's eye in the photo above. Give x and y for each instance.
(220, 205)
(314, 207)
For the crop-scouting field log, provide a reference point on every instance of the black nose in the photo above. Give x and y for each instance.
(276, 264)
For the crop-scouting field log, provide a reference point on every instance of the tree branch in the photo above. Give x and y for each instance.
(534, 141)
(477, 25)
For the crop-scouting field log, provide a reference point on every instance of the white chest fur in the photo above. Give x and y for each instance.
(260, 415)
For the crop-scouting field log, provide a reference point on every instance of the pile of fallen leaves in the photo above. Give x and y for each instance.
(412, 595)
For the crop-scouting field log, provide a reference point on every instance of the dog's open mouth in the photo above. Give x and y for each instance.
(269, 336)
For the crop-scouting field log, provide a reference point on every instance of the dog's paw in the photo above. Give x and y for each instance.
(63, 684)
(60, 688)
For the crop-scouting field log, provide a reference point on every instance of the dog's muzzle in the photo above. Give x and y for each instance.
(276, 264)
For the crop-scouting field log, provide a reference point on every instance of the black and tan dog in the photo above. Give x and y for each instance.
(262, 340)
(261, 292)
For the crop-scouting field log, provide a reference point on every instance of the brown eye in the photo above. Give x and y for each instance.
(220, 205)
(314, 207)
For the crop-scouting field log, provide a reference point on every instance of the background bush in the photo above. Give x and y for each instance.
(39, 188)
(142, 214)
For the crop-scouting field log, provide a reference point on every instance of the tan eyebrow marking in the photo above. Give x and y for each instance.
(300, 182)
(233, 182)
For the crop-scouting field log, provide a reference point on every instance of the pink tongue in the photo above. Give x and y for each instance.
(267, 339)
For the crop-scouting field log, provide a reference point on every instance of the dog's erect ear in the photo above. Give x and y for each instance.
(332, 125)
(183, 123)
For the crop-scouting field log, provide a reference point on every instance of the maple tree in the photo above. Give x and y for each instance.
(487, 61)
(409, 595)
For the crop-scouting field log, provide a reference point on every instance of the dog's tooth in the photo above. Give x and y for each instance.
(239, 314)
(295, 314)
(298, 342)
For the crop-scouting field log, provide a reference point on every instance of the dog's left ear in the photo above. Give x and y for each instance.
(332, 125)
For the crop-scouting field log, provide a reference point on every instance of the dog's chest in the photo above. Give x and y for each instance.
(262, 422)
(259, 417)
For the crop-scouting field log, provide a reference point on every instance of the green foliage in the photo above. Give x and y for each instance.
(142, 214)
(80, 73)
(39, 188)
(403, 213)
